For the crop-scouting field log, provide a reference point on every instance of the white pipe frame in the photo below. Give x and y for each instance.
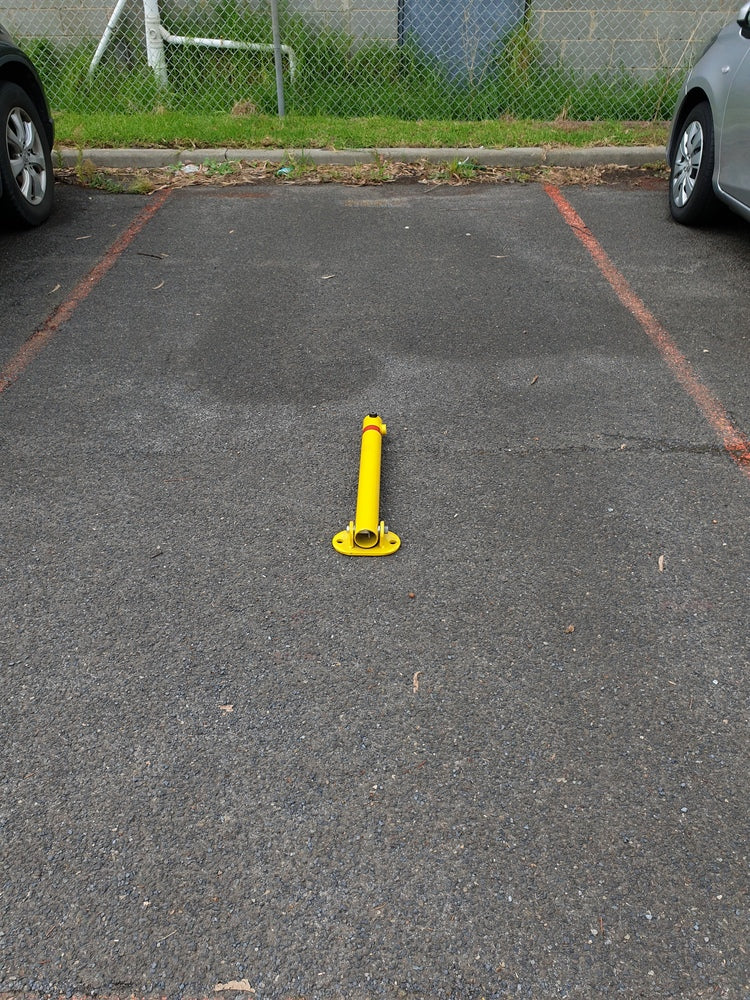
(157, 34)
(225, 43)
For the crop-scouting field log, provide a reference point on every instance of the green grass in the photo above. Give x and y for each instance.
(183, 130)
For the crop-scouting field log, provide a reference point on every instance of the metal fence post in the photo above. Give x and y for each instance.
(277, 57)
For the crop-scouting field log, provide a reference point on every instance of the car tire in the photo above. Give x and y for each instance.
(691, 192)
(26, 171)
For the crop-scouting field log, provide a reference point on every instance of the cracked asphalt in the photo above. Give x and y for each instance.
(509, 760)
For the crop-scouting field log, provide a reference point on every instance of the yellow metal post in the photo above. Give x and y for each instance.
(367, 535)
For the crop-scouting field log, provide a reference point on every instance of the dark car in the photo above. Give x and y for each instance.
(26, 176)
(709, 147)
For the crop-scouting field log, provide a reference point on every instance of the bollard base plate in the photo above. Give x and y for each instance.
(387, 543)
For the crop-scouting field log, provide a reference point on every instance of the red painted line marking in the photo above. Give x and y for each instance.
(42, 336)
(734, 442)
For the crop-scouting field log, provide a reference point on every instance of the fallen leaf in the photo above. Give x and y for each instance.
(226, 708)
(534, 380)
(661, 564)
(241, 985)
(56, 289)
(415, 681)
(570, 629)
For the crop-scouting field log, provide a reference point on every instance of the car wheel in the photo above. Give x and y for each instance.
(25, 159)
(691, 193)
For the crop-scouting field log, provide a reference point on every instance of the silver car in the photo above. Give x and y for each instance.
(709, 145)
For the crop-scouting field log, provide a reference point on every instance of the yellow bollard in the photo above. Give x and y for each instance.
(367, 535)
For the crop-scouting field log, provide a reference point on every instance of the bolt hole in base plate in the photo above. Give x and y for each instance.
(387, 543)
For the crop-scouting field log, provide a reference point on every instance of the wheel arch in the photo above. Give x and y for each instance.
(14, 71)
(694, 97)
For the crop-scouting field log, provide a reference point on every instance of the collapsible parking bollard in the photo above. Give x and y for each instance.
(367, 535)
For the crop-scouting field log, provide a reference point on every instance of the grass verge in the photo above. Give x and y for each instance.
(183, 130)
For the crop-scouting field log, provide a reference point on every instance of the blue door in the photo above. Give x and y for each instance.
(459, 33)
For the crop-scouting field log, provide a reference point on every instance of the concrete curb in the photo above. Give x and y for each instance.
(534, 156)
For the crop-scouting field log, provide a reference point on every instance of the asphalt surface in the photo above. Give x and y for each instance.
(509, 760)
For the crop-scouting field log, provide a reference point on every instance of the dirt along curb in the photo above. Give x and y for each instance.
(142, 171)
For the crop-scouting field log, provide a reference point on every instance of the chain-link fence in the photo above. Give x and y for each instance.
(412, 59)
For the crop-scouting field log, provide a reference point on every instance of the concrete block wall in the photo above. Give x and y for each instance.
(72, 20)
(642, 36)
(358, 18)
(61, 21)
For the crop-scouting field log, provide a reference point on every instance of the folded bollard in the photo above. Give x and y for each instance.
(367, 535)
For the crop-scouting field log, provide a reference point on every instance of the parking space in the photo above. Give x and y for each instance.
(509, 759)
